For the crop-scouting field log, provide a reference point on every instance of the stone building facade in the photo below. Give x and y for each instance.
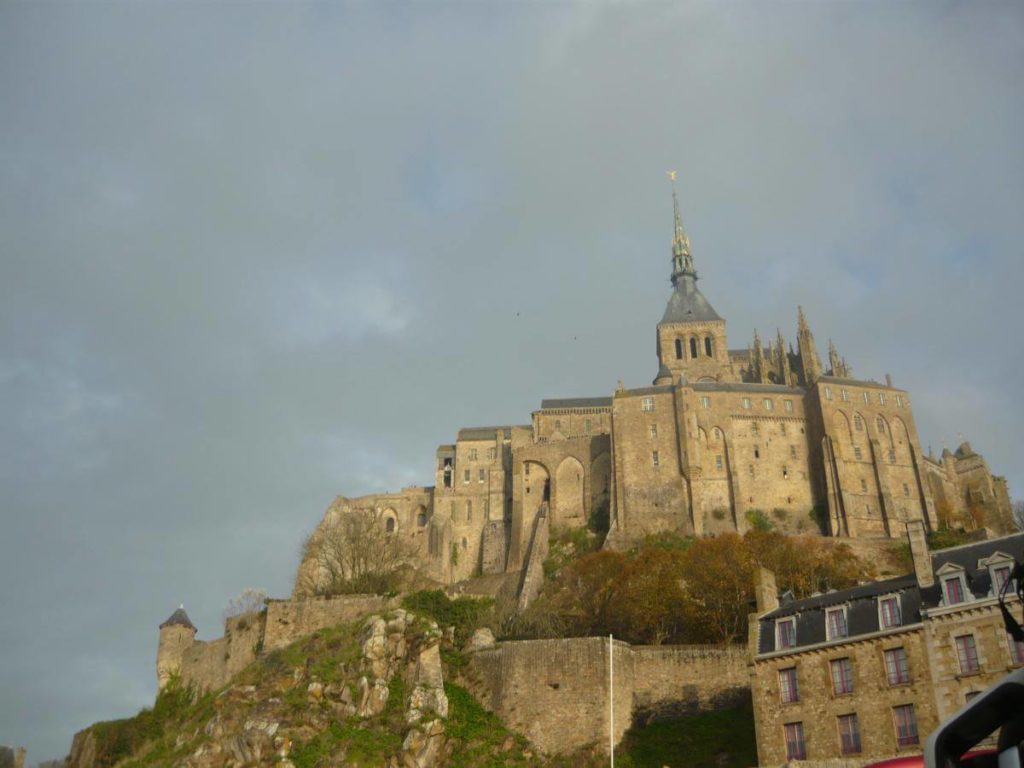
(869, 671)
(721, 437)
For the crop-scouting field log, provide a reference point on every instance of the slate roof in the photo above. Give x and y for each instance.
(862, 601)
(857, 383)
(576, 402)
(482, 433)
(178, 618)
(687, 304)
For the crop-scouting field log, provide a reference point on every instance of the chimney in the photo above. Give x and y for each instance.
(765, 592)
(919, 553)
(888, 380)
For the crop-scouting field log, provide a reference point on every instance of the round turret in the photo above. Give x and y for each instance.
(177, 634)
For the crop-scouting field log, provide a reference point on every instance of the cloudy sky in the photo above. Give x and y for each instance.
(256, 255)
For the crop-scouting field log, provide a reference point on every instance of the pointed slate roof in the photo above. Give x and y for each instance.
(687, 304)
(179, 618)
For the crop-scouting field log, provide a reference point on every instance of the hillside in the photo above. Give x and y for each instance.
(311, 704)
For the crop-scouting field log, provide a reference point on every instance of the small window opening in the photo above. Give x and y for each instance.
(707, 346)
(679, 349)
(693, 348)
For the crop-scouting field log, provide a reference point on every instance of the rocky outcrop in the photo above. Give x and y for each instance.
(327, 693)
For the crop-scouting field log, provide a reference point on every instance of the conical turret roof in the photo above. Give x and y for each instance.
(179, 618)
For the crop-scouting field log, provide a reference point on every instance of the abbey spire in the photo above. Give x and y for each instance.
(682, 259)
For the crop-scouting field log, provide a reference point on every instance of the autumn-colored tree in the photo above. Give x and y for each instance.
(806, 564)
(648, 601)
(719, 576)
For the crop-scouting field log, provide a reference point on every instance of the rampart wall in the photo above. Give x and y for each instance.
(556, 692)
(210, 664)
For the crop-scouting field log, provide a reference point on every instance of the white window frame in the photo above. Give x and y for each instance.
(705, 401)
(746, 403)
(866, 397)
(787, 405)
(778, 632)
(881, 614)
(899, 401)
(828, 393)
(844, 393)
(828, 624)
(654, 430)
(647, 404)
(768, 404)
(794, 688)
(881, 398)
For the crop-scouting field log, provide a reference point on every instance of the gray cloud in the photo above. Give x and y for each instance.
(255, 256)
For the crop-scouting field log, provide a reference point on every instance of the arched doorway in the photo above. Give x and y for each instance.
(569, 492)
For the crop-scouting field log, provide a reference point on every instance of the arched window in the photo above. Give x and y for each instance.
(693, 347)
(707, 346)
(390, 525)
(679, 349)
(421, 519)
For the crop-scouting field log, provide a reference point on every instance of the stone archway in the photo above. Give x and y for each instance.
(569, 506)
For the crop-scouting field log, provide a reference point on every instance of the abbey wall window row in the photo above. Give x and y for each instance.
(844, 395)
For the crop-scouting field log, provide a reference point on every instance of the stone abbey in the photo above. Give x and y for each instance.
(722, 440)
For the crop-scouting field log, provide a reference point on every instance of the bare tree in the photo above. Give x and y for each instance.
(360, 552)
(1017, 510)
(249, 600)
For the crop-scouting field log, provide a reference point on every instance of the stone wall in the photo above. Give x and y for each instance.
(288, 620)
(210, 664)
(494, 553)
(556, 691)
(681, 679)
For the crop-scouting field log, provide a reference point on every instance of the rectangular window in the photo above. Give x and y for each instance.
(788, 689)
(469, 510)
(899, 401)
(881, 398)
(842, 676)
(786, 633)
(863, 485)
(647, 404)
(746, 403)
(705, 402)
(480, 475)
(892, 457)
(472, 454)
(492, 453)
(967, 655)
(718, 461)
(906, 490)
(897, 672)
(845, 395)
(558, 425)
(788, 405)
(905, 722)
(866, 397)
(1016, 651)
(954, 589)
(857, 453)
(654, 458)
(465, 475)
(828, 393)
(768, 404)
(586, 426)
(654, 430)
(796, 748)
(835, 623)
(1000, 576)
(849, 734)
(889, 612)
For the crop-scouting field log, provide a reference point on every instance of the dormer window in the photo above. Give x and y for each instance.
(785, 633)
(835, 623)
(889, 612)
(954, 589)
(1000, 569)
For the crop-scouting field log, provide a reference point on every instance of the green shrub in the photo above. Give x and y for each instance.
(463, 613)
(779, 513)
(719, 513)
(758, 520)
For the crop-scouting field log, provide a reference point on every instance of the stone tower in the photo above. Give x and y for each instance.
(691, 335)
(177, 634)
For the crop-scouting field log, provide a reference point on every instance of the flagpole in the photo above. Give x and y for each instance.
(611, 701)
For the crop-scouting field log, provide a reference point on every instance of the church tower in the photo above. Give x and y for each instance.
(691, 335)
(810, 363)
